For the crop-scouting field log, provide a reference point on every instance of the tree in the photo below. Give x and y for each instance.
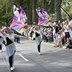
(58, 9)
(5, 12)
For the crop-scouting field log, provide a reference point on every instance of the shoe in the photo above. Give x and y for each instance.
(64, 47)
(12, 68)
(39, 53)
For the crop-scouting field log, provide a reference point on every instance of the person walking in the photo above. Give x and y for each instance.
(38, 39)
(10, 47)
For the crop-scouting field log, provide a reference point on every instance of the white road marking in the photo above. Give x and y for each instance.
(23, 57)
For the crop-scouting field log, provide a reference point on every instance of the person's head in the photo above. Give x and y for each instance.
(37, 28)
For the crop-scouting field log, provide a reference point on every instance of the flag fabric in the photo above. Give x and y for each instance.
(43, 17)
(19, 19)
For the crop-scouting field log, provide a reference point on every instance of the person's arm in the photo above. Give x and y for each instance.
(4, 33)
(18, 35)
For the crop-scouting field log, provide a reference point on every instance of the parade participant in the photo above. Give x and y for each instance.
(10, 47)
(38, 39)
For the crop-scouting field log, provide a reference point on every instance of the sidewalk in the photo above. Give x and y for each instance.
(47, 43)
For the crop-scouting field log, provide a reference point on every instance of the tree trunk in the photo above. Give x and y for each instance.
(33, 12)
(28, 12)
(58, 9)
(35, 15)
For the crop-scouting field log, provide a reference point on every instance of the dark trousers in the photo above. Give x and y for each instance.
(39, 47)
(0, 47)
(11, 60)
(17, 39)
(63, 41)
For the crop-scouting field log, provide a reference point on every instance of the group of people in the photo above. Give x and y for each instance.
(60, 34)
(7, 37)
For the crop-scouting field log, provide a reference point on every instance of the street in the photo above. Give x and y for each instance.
(28, 60)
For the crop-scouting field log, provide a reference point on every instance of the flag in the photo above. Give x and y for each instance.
(19, 19)
(43, 17)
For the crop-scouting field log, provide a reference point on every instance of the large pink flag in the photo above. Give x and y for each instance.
(43, 17)
(19, 19)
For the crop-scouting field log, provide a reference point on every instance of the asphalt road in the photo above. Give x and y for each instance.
(27, 59)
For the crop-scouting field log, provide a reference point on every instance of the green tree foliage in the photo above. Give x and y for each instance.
(67, 6)
(5, 12)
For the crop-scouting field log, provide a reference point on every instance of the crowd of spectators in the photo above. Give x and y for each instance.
(58, 33)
